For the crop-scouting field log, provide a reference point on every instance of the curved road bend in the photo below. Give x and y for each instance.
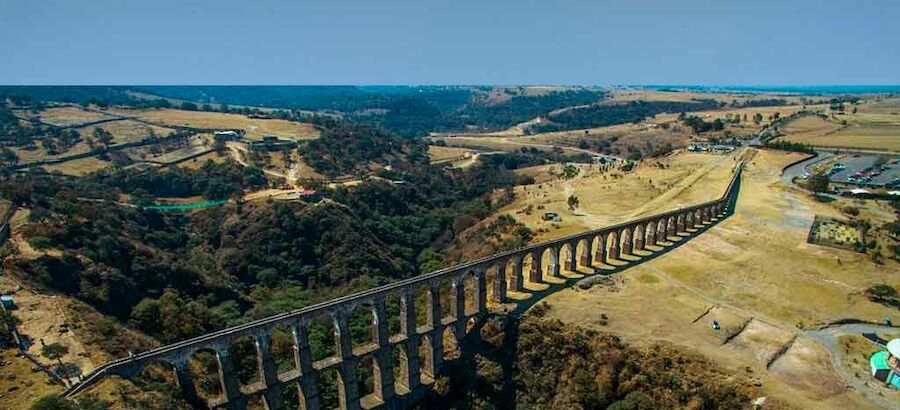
(796, 170)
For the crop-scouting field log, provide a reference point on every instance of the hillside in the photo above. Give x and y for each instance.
(542, 363)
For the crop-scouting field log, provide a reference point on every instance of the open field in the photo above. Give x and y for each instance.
(78, 167)
(437, 153)
(198, 162)
(653, 135)
(608, 195)
(125, 131)
(810, 126)
(67, 116)
(43, 318)
(21, 385)
(39, 154)
(656, 95)
(255, 128)
(753, 273)
(875, 126)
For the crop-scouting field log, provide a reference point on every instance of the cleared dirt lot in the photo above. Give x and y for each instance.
(757, 277)
(255, 128)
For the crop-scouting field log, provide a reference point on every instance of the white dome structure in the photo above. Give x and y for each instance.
(893, 348)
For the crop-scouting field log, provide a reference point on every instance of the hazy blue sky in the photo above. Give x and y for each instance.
(770, 42)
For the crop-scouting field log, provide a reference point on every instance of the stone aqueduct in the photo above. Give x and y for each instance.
(468, 304)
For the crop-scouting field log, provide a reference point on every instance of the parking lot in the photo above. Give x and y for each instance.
(860, 170)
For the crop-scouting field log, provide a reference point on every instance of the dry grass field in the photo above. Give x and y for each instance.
(255, 128)
(875, 126)
(125, 131)
(198, 162)
(611, 196)
(78, 167)
(437, 153)
(754, 273)
(651, 132)
(70, 116)
(655, 95)
(39, 154)
(20, 384)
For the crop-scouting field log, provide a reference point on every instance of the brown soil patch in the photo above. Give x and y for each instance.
(805, 365)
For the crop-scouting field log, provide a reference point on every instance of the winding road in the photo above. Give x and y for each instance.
(798, 169)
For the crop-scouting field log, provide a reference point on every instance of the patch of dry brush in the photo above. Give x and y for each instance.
(538, 363)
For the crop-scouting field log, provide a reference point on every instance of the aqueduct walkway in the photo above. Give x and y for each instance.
(472, 286)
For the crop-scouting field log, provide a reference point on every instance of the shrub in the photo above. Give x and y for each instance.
(882, 290)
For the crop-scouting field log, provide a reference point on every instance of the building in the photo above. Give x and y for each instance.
(226, 135)
(886, 364)
(272, 143)
(552, 217)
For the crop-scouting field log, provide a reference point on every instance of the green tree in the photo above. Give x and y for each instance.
(818, 182)
(572, 202)
(54, 351)
(8, 157)
(104, 136)
(61, 403)
(8, 322)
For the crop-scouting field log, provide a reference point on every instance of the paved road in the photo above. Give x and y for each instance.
(796, 170)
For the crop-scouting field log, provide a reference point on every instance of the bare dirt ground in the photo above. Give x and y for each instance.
(757, 277)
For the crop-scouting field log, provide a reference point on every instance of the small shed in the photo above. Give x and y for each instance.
(552, 217)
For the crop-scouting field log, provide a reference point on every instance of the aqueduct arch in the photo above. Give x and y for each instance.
(413, 349)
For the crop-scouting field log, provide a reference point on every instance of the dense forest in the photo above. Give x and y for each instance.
(242, 261)
(604, 115)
